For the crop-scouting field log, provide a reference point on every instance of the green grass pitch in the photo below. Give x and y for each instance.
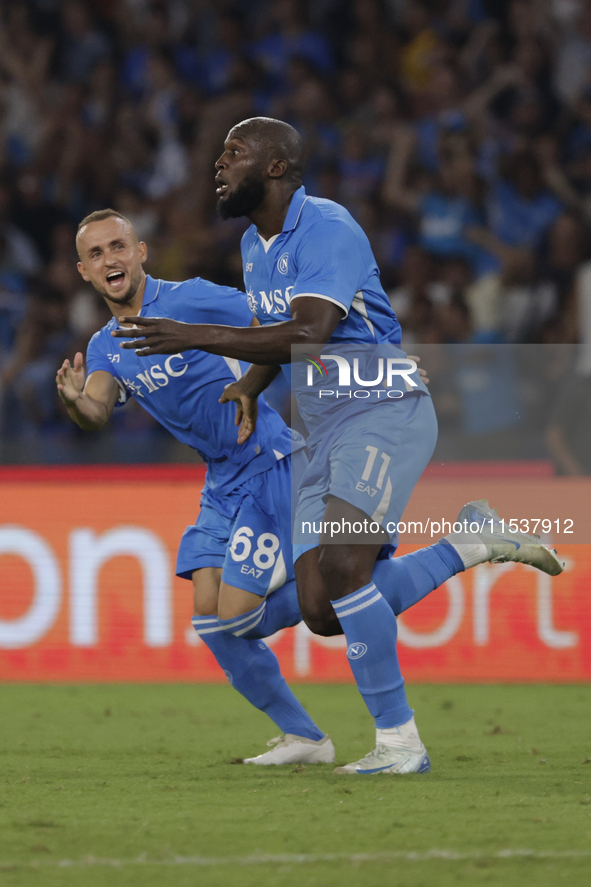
(135, 785)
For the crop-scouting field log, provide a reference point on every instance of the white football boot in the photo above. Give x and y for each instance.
(398, 750)
(290, 749)
(497, 543)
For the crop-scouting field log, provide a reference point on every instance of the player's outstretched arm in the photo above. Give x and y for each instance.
(313, 321)
(89, 404)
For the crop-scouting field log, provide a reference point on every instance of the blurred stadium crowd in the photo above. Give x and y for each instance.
(457, 132)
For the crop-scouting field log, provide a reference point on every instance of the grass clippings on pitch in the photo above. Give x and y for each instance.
(134, 785)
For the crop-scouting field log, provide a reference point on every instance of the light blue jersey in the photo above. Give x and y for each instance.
(323, 252)
(182, 391)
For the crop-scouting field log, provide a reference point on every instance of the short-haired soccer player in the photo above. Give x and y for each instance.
(311, 278)
(239, 553)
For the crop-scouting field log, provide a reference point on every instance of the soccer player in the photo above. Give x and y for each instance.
(311, 278)
(239, 553)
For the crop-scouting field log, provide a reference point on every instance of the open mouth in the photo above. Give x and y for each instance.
(221, 186)
(115, 279)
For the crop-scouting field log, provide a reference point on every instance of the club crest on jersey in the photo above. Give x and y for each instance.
(283, 263)
(356, 651)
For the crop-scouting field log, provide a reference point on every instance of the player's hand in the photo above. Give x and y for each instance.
(157, 335)
(422, 373)
(70, 380)
(246, 410)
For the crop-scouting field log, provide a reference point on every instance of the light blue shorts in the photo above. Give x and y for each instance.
(373, 461)
(248, 535)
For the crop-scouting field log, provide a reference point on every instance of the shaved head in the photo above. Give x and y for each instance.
(276, 140)
(100, 215)
(259, 171)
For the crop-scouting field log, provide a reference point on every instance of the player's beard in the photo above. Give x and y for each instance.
(245, 198)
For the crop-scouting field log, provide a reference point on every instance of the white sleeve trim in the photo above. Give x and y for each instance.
(234, 367)
(123, 392)
(318, 296)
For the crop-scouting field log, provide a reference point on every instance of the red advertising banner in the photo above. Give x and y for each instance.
(88, 592)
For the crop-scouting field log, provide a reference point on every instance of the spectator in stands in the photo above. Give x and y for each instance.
(30, 371)
(83, 44)
(447, 204)
(520, 209)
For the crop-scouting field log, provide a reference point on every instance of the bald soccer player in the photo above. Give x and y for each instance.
(311, 280)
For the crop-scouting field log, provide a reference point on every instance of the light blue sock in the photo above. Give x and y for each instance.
(407, 579)
(279, 610)
(252, 669)
(370, 628)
